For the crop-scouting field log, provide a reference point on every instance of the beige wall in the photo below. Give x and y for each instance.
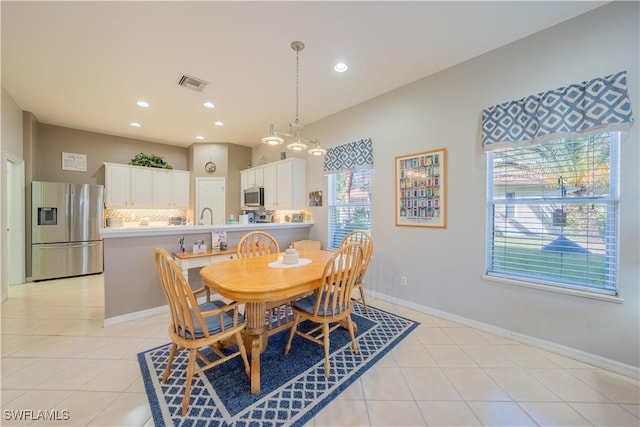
(99, 148)
(445, 267)
(230, 159)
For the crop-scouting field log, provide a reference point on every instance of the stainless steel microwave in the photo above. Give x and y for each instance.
(254, 197)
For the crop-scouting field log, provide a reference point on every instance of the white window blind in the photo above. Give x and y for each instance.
(553, 212)
(349, 204)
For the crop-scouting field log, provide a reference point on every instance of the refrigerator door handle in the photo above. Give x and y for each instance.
(70, 214)
(66, 245)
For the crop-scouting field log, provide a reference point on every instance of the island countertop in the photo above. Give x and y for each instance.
(155, 230)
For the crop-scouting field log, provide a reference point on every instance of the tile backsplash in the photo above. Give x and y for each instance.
(154, 215)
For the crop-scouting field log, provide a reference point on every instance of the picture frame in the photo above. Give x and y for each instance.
(421, 189)
(315, 198)
(218, 240)
(74, 162)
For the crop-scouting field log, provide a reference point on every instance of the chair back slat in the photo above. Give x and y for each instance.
(340, 272)
(257, 243)
(365, 240)
(183, 305)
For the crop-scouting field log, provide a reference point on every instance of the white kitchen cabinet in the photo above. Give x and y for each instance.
(141, 187)
(180, 189)
(270, 176)
(117, 187)
(259, 177)
(245, 177)
(284, 184)
(253, 177)
(249, 178)
(136, 187)
(162, 182)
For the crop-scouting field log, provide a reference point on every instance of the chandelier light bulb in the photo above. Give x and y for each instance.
(272, 140)
(317, 151)
(297, 146)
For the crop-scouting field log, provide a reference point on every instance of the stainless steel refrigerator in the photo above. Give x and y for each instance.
(66, 221)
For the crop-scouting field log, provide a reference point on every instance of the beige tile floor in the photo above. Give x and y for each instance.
(57, 355)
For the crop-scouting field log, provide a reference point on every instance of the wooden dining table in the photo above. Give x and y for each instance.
(256, 281)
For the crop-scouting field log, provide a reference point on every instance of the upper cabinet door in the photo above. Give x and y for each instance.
(141, 187)
(117, 186)
(259, 177)
(180, 186)
(291, 184)
(162, 188)
(284, 174)
(270, 182)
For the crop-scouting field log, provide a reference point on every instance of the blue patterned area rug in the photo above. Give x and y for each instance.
(293, 387)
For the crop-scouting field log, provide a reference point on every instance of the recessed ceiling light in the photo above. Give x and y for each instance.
(144, 104)
(218, 123)
(340, 67)
(199, 137)
(209, 104)
(135, 124)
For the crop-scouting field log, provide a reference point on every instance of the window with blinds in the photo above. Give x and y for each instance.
(349, 204)
(553, 213)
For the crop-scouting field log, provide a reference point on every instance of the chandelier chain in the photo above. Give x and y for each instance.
(297, 78)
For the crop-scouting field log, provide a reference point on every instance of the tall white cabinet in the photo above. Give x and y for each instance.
(136, 187)
(283, 181)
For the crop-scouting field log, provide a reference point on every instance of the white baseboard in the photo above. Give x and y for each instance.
(582, 356)
(135, 316)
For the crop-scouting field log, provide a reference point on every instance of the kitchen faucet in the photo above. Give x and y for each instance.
(202, 214)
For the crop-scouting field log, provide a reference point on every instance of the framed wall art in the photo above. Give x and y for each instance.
(315, 198)
(421, 189)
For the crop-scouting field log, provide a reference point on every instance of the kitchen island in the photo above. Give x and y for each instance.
(131, 285)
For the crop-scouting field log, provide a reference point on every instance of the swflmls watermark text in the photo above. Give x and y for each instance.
(36, 415)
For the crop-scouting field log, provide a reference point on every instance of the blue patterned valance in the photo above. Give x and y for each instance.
(354, 155)
(596, 105)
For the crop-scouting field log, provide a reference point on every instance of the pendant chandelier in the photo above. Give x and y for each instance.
(299, 143)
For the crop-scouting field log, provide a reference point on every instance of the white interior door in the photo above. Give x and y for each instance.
(15, 221)
(210, 194)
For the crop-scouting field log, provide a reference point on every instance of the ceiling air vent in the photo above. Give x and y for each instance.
(192, 83)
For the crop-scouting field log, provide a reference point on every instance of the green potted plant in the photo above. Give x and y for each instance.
(149, 160)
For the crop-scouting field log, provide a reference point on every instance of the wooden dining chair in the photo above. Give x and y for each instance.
(330, 305)
(196, 326)
(278, 314)
(257, 243)
(365, 240)
(306, 245)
